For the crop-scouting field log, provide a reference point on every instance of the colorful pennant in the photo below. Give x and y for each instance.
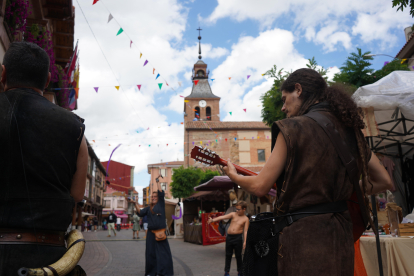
(96, 89)
(110, 17)
(120, 31)
(160, 85)
(117, 88)
(230, 113)
(145, 63)
(230, 78)
(248, 76)
(139, 87)
(153, 71)
(244, 109)
(195, 82)
(94, 2)
(140, 55)
(158, 77)
(130, 44)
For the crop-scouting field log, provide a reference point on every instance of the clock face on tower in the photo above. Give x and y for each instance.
(202, 103)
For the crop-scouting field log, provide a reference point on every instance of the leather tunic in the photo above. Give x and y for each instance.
(319, 244)
(40, 143)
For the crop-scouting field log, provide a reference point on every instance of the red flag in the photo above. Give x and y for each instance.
(139, 87)
(226, 139)
(195, 82)
(244, 109)
(94, 2)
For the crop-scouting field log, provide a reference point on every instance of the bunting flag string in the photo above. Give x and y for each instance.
(139, 87)
(244, 109)
(120, 31)
(145, 63)
(160, 85)
(96, 89)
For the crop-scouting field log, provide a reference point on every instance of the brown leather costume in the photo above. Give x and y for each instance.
(314, 174)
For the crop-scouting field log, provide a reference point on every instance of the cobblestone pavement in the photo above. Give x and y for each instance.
(121, 255)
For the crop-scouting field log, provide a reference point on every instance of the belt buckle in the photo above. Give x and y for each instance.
(289, 220)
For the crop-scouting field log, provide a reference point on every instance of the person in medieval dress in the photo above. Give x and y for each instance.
(158, 258)
(308, 172)
(43, 163)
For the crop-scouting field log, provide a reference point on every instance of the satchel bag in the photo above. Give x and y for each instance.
(159, 234)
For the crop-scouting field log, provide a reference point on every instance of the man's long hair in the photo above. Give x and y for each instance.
(315, 89)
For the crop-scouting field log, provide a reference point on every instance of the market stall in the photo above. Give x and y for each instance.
(388, 106)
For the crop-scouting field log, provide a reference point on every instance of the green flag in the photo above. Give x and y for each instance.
(120, 31)
(230, 113)
(160, 85)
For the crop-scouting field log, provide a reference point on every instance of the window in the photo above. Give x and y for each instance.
(200, 73)
(163, 172)
(197, 112)
(164, 186)
(107, 203)
(208, 113)
(261, 155)
(120, 204)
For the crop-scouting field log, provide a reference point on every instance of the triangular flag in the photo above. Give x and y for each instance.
(201, 142)
(157, 77)
(230, 78)
(167, 146)
(166, 83)
(195, 82)
(169, 124)
(160, 85)
(93, 141)
(110, 17)
(403, 60)
(230, 112)
(149, 145)
(248, 76)
(117, 87)
(130, 44)
(181, 96)
(182, 123)
(216, 140)
(109, 145)
(139, 87)
(244, 109)
(147, 128)
(140, 55)
(120, 31)
(179, 83)
(226, 139)
(186, 101)
(153, 71)
(235, 138)
(94, 2)
(193, 143)
(212, 79)
(145, 63)
(77, 92)
(263, 74)
(96, 89)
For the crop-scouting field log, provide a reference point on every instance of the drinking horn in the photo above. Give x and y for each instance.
(76, 246)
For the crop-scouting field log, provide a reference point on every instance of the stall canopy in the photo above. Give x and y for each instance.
(222, 183)
(217, 195)
(216, 183)
(392, 98)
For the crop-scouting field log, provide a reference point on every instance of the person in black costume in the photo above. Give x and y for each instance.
(158, 258)
(43, 163)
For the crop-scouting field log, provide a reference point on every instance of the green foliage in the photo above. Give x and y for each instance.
(272, 99)
(394, 65)
(401, 4)
(207, 175)
(185, 179)
(355, 70)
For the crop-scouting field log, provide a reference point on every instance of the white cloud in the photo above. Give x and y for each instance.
(375, 19)
(252, 56)
(332, 71)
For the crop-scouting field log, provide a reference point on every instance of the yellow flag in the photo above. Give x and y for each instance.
(201, 142)
(186, 101)
(117, 87)
(140, 55)
(403, 60)
(262, 74)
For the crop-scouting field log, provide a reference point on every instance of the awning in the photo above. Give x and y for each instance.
(217, 183)
(217, 195)
(87, 214)
(221, 183)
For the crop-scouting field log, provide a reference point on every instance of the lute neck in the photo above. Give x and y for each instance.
(239, 169)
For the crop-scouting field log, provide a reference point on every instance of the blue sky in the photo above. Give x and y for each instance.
(239, 38)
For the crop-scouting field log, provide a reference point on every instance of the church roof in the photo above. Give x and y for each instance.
(225, 125)
(202, 90)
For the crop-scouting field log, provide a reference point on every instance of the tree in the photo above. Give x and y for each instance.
(401, 4)
(392, 66)
(355, 70)
(272, 99)
(185, 179)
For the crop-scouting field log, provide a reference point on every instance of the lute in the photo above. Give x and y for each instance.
(210, 158)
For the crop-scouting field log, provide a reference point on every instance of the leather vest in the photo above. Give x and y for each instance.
(40, 143)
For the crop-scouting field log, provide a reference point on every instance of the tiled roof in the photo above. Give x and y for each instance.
(172, 163)
(225, 125)
(405, 45)
(201, 90)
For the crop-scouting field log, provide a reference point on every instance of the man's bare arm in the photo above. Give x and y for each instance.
(77, 189)
(246, 227)
(378, 176)
(228, 216)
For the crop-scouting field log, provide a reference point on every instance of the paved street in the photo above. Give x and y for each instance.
(121, 255)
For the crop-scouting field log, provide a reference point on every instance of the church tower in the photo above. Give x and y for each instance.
(201, 104)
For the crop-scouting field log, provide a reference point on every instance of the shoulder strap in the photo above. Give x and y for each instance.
(344, 154)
